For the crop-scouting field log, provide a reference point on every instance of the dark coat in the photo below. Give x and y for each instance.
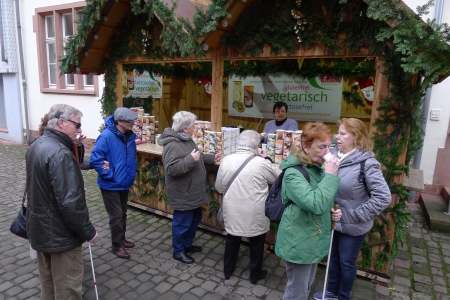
(185, 177)
(57, 215)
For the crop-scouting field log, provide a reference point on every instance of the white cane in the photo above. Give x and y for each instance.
(93, 273)
(333, 225)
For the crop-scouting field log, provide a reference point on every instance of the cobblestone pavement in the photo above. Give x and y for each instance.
(420, 271)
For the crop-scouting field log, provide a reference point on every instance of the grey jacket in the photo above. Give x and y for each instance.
(358, 206)
(185, 177)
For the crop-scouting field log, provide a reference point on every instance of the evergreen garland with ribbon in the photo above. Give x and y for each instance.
(414, 47)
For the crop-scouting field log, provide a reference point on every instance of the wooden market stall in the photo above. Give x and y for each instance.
(97, 51)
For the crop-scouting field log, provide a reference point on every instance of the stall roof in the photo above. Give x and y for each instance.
(113, 12)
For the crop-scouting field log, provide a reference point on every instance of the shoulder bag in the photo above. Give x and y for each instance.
(19, 225)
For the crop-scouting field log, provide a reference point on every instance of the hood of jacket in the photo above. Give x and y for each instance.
(169, 135)
(355, 157)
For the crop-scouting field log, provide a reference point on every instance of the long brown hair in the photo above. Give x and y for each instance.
(311, 131)
(44, 122)
(359, 130)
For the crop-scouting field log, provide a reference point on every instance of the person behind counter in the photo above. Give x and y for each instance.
(244, 202)
(116, 144)
(281, 121)
(185, 178)
(303, 236)
(360, 199)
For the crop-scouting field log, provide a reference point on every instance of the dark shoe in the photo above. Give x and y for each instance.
(193, 249)
(184, 258)
(227, 277)
(127, 244)
(262, 275)
(121, 253)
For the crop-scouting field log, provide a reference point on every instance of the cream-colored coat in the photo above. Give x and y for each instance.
(244, 203)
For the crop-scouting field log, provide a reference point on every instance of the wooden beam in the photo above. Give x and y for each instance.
(119, 83)
(217, 90)
(381, 90)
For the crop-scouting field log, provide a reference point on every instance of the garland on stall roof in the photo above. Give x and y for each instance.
(415, 47)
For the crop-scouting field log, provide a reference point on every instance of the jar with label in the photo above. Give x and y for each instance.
(130, 80)
(248, 96)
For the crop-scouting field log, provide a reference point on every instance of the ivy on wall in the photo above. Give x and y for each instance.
(409, 47)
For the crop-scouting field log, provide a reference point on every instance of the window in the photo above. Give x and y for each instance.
(53, 26)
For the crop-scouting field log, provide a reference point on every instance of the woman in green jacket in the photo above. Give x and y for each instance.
(303, 236)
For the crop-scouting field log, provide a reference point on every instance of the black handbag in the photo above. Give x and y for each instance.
(19, 225)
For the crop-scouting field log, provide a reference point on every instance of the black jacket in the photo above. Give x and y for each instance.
(57, 215)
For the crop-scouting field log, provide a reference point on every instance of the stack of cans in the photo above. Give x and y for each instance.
(287, 137)
(271, 144)
(145, 127)
(297, 138)
(279, 145)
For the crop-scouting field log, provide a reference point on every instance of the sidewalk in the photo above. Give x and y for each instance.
(420, 271)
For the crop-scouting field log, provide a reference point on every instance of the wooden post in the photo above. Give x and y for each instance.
(217, 90)
(381, 90)
(119, 85)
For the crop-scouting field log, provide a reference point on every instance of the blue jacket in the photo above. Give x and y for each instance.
(120, 151)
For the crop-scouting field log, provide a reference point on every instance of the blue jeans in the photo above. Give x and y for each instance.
(184, 226)
(342, 269)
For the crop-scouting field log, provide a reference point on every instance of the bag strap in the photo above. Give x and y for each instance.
(24, 196)
(303, 171)
(362, 176)
(237, 173)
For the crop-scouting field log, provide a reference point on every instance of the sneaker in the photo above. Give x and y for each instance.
(328, 295)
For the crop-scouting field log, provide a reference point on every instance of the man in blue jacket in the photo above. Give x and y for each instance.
(116, 144)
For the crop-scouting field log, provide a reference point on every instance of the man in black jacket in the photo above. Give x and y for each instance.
(58, 219)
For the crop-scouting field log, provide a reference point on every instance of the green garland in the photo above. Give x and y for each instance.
(416, 47)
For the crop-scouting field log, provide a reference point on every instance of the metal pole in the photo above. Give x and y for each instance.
(93, 273)
(333, 226)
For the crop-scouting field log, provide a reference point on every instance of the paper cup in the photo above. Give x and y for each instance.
(327, 157)
(264, 147)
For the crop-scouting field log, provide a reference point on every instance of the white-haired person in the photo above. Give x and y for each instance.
(244, 202)
(185, 179)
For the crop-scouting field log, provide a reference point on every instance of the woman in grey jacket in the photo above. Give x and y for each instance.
(360, 198)
(185, 175)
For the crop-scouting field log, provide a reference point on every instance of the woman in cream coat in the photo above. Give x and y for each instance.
(244, 202)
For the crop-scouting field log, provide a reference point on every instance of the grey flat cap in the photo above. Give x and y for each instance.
(125, 114)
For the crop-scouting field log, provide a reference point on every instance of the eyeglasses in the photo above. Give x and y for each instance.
(77, 125)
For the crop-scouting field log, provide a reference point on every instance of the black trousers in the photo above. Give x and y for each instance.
(116, 206)
(232, 244)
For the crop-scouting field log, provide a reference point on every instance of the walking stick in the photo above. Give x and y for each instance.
(93, 273)
(333, 226)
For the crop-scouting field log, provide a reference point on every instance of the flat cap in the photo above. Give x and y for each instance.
(125, 114)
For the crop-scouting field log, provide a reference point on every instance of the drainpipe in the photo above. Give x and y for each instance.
(1, 35)
(22, 67)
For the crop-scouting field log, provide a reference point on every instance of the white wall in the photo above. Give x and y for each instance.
(436, 131)
(39, 103)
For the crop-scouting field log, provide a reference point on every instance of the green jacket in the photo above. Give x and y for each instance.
(304, 232)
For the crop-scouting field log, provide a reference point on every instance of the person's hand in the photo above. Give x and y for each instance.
(262, 153)
(195, 154)
(95, 238)
(263, 135)
(217, 157)
(332, 165)
(85, 192)
(105, 165)
(80, 139)
(336, 214)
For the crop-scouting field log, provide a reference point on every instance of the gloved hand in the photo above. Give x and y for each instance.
(95, 238)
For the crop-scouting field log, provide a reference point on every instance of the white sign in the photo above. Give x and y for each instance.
(141, 85)
(313, 99)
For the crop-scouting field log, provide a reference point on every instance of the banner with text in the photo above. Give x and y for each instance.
(141, 85)
(313, 99)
